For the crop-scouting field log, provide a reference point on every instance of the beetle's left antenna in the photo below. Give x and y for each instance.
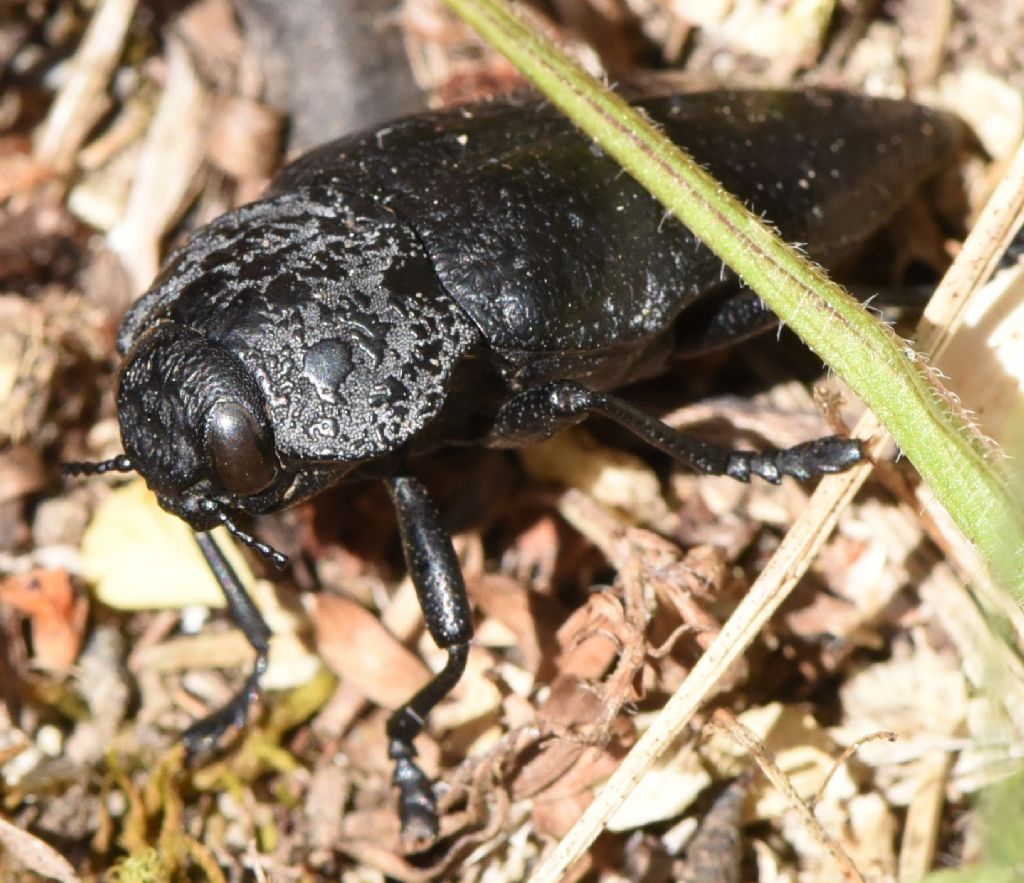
(120, 463)
(268, 552)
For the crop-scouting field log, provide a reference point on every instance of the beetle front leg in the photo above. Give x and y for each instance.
(441, 591)
(247, 617)
(539, 413)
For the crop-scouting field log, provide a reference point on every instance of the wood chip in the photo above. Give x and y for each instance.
(81, 99)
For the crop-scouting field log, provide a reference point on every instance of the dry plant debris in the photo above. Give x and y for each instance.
(849, 742)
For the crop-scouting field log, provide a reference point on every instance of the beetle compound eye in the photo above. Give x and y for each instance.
(237, 450)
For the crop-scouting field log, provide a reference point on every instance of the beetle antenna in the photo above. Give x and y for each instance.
(120, 463)
(268, 552)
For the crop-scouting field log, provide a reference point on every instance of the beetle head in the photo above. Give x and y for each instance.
(194, 425)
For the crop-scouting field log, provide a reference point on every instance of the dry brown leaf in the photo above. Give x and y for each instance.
(572, 703)
(39, 338)
(993, 108)
(35, 855)
(921, 696)
(536, 553)
(802, 750)
(82, 98)
(19, 170)
(787, 35)
(245, 139)
(21, 472)
(557, 807)
(863, 826)
(328, 791)
(210, 27)
(611, 477)
(591, 637)
(57, 612)
(665, 791)
(545, 765)
(556, 769)
(139, 557)
(354, 644)
(172, 155)
(530, 617)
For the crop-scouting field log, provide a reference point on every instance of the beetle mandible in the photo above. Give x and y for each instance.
(483, 275)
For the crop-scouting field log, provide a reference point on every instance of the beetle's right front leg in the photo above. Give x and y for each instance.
(436, 574)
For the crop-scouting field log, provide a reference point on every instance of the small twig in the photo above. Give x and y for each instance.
(746, 738)
(172, 156)
(999, 221)
(845, 756)
(924, 817)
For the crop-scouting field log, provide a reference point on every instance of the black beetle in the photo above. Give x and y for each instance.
(476, 276)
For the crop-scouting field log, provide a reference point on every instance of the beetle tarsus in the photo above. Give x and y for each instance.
(820, 456)
(417, 806)
(206, 732)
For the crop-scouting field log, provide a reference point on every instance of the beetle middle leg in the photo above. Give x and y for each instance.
(540, 412)
(441, 591)
(247, 616)
(718, 322)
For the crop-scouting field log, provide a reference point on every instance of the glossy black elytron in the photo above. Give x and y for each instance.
(483, 275)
